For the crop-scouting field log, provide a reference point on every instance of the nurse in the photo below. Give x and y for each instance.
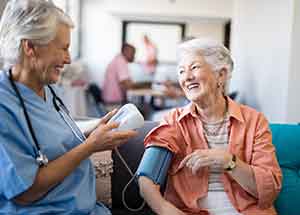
(44, 158)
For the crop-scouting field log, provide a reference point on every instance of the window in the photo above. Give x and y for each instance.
(165, 36)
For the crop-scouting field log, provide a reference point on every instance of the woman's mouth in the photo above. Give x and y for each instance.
(192, 86)
(58, 69)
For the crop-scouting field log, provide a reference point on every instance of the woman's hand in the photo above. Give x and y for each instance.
(168, 209)
(206, 157)
(103, 138)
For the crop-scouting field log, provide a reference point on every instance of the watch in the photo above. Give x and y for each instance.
(232, 164)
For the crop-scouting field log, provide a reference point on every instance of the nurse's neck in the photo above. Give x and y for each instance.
(29, 78)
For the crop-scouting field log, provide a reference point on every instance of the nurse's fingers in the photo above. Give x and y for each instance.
(110, 126)
(119, 142)
(122, 137)
(125, 134)
(108, 116)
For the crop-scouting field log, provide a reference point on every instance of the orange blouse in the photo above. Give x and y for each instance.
(250, 140)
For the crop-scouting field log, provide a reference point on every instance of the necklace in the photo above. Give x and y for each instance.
(218, 127)
(215, 128)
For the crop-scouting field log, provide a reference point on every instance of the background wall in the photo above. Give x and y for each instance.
(178, 8)
(293, 104)
(102, 24)
(263, 39)
(264, 42)
(212, 29)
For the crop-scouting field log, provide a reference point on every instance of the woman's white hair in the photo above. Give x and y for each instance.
(214, 53)
(35, 20)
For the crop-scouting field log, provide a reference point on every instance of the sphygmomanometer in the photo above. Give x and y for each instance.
(155, 161)
(155, 164)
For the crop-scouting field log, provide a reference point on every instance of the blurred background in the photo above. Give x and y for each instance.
(263, 36)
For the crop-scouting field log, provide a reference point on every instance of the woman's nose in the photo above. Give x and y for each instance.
(189, 75)
(67, 58)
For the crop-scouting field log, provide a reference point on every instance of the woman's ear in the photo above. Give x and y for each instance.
(28, 48)
(222, 74)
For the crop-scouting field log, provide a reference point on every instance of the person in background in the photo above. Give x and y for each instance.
(44, 158)
(117, 77)
(223, 158)
(150, 61)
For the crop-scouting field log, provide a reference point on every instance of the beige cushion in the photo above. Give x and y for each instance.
(104, 166)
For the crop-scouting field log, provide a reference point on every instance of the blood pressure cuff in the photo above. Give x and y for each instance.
(155, 164)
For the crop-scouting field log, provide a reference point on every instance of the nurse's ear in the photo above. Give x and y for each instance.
(28, 48)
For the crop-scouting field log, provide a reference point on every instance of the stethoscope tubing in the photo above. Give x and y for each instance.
(40, 157)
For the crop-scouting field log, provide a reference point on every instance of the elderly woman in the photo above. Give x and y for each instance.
(223, 158)
(44, 167)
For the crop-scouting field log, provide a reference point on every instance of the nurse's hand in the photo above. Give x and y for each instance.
(102, 120)
(103, 138)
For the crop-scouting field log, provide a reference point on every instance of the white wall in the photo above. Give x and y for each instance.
(102, 23)
(293, 110)
(212, 30)
(261, 46)
(190, 8)
(101, 38)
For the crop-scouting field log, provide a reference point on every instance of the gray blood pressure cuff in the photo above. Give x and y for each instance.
(155, 164)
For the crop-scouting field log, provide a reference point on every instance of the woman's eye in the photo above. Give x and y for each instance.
(195, 67)
(180, 71)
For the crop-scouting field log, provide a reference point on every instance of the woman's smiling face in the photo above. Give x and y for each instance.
(197, 78)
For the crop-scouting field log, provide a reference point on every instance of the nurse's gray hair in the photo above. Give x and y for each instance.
(35, 20)
(214, 53)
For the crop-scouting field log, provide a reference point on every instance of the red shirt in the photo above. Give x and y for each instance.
(250, 140)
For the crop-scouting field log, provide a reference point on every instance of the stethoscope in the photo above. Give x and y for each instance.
(41, 158)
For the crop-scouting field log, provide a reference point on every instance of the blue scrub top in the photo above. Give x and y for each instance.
(76, 194)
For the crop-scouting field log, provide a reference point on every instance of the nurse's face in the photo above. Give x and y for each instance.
(50, 59)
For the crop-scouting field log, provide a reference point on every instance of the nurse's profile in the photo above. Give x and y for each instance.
(44, 165)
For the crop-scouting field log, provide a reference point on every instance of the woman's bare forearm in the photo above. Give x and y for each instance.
(244, 176)
(151, 193)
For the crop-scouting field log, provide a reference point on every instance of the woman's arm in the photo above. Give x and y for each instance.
(242, 173)
(49, 176)
(244, 176)
(151, 193)
(264, 165)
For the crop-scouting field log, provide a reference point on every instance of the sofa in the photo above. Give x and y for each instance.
(286, 139)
